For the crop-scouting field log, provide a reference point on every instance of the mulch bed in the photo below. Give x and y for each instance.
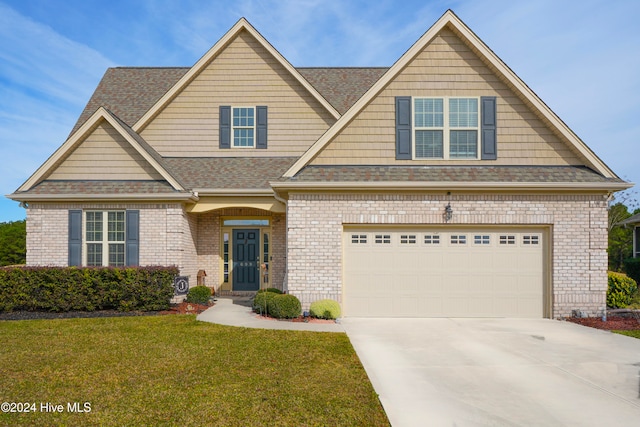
(618, 323)
(182, 308)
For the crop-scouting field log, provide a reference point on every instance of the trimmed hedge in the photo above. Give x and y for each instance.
(86, 288)
(280, 306)
(620, 290)
(284, 306)
(325, 309)
(274, 290)
(199, 295)
(261, 302)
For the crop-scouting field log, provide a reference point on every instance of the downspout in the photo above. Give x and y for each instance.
(286, 240)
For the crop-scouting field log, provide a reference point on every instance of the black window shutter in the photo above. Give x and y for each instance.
(403, 128)
(225, 127)
(488, 130)
(261, 127)
(132, 238)
(75, 238)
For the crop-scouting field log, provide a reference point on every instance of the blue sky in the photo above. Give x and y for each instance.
(582, 58)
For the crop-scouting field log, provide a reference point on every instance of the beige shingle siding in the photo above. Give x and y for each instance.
(447, 67)
(244, 74)
(105, 154)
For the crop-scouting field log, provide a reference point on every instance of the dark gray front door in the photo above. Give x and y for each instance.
(246, 244)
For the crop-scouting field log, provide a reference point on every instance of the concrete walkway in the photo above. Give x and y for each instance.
(236, 311)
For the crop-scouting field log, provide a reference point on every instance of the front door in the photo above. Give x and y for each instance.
(246, 244)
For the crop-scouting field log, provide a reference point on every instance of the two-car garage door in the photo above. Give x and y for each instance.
(444, 272)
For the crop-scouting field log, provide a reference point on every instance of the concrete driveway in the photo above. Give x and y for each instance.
(499, 372)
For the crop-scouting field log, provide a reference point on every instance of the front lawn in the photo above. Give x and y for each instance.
(174, 370)
(632, 333)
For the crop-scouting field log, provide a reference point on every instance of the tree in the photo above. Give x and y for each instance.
(13, 243)
(621, 237)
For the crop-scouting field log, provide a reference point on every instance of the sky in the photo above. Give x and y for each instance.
(582, 58)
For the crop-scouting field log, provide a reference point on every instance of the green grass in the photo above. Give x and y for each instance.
(633, 333)
(174, 370)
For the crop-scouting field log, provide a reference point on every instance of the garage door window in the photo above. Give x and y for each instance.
(507, 239)
(530, 240)
(383, 238)
(458, 239)
(407, 239)
(359, 238)
(481, 239)
(431, 239)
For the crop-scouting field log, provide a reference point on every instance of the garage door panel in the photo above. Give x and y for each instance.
(444, 272)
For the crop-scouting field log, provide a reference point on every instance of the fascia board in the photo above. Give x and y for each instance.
(217, 48)
(98, 197)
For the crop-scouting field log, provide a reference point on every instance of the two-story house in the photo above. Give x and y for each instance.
(440, 186)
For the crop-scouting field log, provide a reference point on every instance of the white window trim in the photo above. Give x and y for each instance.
(105, 237)
(445, 129)
(233, 128)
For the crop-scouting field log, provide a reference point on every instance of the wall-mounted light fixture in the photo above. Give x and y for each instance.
(448, 210)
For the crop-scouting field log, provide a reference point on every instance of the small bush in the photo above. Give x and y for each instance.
(632, 268)
(325, 309)
(284, 306)
(272, 290)
(199, 295)
(620, 290)
(261, 302)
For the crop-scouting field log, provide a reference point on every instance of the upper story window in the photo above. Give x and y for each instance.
(243, 126)
(446, 128)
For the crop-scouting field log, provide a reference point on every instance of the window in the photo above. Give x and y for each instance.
(446, 128)
(431, 239)
(225, 257)
(458, 239)
(407, 239)
(383, 238)
(245, 222)
(507, 239)
(358, 238)
(481, 239)
(243, 125)
(105, 249)
(264, 268)
(530, 240)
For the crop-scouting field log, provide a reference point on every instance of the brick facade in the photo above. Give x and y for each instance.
(168, 236)
(578, 235)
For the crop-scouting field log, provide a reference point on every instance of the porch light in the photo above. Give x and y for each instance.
(448, 212)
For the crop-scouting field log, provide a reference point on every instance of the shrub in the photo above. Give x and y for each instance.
(86, 289)
(261, 302)
(284, 306)
(620, 290)
(199, 295)
(632, 268)
(325, 309)
(273, 290)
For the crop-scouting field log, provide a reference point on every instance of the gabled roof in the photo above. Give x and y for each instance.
(241, 25)
(450, 20)
(102, 114)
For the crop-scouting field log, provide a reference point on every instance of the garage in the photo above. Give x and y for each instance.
(444, 272)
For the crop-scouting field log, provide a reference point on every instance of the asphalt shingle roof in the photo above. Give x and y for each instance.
(228, 172)
(451, 174)
(53, 187)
